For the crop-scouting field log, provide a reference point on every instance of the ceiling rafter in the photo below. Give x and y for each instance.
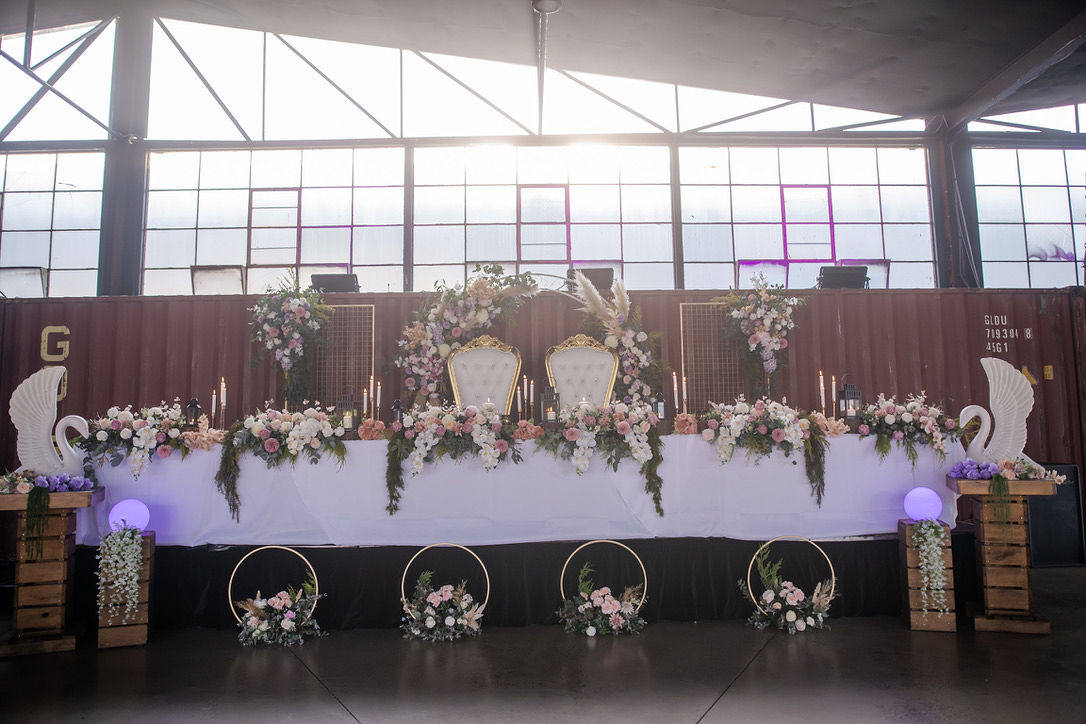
(621, 105)
(476, 93)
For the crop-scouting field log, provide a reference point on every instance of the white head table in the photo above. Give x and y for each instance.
(540, 499)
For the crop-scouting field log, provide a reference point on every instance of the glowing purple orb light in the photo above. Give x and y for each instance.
(923, 503)
(130, 512)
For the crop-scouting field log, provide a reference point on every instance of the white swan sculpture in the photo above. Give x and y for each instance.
(1010, 396)
(33, 411)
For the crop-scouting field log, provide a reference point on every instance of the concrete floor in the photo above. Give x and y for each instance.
(864, 669)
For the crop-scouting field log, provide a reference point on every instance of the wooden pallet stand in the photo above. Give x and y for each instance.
(1003, 554)
(133, 632)
(43, 585)
(920, 619)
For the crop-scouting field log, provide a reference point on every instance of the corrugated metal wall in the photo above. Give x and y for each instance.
(142, 350)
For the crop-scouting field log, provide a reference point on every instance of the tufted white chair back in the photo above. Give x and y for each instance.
(484, 369)
(582, 368)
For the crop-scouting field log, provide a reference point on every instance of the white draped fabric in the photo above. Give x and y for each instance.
(538, 500)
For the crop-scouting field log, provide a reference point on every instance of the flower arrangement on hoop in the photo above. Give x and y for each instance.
(139, 435)
(914, 423)
(764, 316)
(460, 314)
(618, 325)
(285, 619)
(784, 605)
(929, 538)
(120, 557)
(440, 614)
(446, 431)
(616, 431)
(595, 612)
(765, 426)
(278, 436)
(287, 322)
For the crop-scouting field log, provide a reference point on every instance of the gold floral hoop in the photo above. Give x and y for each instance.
(750, 566)
(644, 574)
(230, 584)
(486, 574)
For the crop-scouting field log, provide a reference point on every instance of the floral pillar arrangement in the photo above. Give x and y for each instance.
(287, 323)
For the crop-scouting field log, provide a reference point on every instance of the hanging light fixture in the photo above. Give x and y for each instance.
(543, 9)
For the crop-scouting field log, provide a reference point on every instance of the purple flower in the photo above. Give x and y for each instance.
(61, 488)
(41, 482)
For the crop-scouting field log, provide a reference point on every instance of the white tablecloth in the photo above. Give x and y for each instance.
(540, 499)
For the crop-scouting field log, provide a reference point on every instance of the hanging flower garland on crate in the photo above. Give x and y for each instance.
(278, 436)
(440, 614)
(139, 435)
(617, 324)
(764, 317)
(437, 432)
(120, 557)
(928, 538)
(460, 314)
(911, 424)
(1001, 474)
(616, 431)
(37, 489)
(288, 322)
(284, 619)
(767, 425)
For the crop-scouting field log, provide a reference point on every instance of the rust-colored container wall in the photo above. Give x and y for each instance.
(141, 350)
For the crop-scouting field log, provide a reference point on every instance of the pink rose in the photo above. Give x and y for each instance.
(707, 435)
(753, 339)
(496, 426)
(265, 433)
(864, 430)
(806, 434)
(571, 434)
(501, 445)
(890, 409)
(778, 435)
(784, 344)
(653, 419)
(622, 427)
(589, 420)
(409, 383)
(273, 332)
(759, 405)
(898, 435)
(160, 437)
(397, 425)
(762, 429)
(713, 424)
(292, 343)
(456, 332)
(271, 445)
(439, 430)
(467, 427)
(409, 434)
(163, 451)
(115, 425)
(950, 423)
(140, 424)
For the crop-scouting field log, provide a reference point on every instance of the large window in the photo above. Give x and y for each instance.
(786, 212)
(50, 214)
(272, 213)
(1031, 208)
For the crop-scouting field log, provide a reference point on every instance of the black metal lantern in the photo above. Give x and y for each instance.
(658, 406)
(397, 411)
(192, 413)
(550, 404)
(850, 404)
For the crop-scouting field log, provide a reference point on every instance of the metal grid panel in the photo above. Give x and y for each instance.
(709, 361)
(345, 361)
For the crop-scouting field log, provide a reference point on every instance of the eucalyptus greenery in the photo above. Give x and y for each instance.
(929, 539)
(120, 557)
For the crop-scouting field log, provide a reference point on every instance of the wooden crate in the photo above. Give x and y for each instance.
(912, 581)
(133, 632)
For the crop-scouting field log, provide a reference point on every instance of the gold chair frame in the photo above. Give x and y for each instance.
(485, 341)
(583, 341)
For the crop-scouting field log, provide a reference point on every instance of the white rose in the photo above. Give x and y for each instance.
(339, 431)
(889, 419)
(263, 626)
(444, 350)
(408, 421)
(430, 622)
(742, 408)
(174, 432)
(800, 625)
(810, 621)
(102, 435)
(287, 624)
(611, 341)
(590, 631)
(906, 417)
(126, 433)
(790, 616)
(641, 336)
(482, 315)
(449, 621)
(113, 412)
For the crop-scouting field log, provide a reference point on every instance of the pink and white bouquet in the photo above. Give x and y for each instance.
(286, 321)
(278, 435)
(140, 435)
(765, 317)
(460, 314)
(441, 614)
(1025, 469)
(784, 605)
(284, 619)
(916, 422)
(760, 428)
(596, 612)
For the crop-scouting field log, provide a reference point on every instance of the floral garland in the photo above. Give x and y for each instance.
(764, 317)
(616, 431)
(278, 436)
(596, 612)
(787, 606)
(460, 314)
(915, 423)
(287, 322)
(766, 426)
(442, 614)
(282, 619)
(929, 539)
(439, 431)
(620, 329)
(139, 435)
(37, 489)
(120, 557)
